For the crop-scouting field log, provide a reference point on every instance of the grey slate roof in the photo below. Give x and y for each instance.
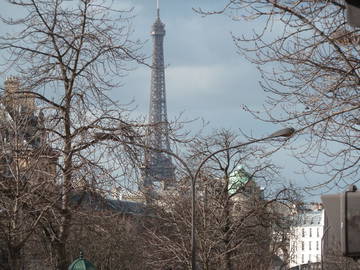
(126, 206)
(311, 218)
(98, 202)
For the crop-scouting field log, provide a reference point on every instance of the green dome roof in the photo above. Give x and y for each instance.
(238, 179)
(81, 264)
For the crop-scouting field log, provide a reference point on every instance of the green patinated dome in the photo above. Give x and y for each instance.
(81, 264)
(238, 179)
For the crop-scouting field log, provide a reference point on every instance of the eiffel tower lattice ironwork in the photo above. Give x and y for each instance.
(158, 171)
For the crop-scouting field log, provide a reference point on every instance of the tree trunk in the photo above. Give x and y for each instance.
(227, 265)
(15, 259)
(60, 253)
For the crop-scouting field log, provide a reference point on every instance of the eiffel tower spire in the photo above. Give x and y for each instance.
(159, 171)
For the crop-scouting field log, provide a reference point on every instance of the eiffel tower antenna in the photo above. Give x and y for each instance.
(158, 8)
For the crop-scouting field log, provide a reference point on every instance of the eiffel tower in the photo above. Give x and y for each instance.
(158, 172)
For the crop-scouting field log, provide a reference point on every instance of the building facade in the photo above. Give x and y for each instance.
(306, 238)
(25, 154)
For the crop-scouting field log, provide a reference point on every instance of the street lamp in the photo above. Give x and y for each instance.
(286, 132)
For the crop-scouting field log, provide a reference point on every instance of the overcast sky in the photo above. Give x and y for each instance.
(205, 77)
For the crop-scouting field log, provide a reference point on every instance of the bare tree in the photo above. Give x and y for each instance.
(27, 173)
(68, 56)
(309, 61)
(336, 261)
(234, 221)
(110, 239)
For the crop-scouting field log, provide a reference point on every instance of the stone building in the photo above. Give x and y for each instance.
(27, 173)
(25, 152)
(306, 238)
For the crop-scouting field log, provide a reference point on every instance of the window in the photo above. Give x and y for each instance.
(302, 258)
(309, 245)
(302, 245)
(317, 232)
(317, 257)
(310, 232)
(317, 245)
(303, 232)
(309, 257)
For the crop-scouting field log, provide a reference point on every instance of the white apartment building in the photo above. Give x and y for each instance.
(305, 239)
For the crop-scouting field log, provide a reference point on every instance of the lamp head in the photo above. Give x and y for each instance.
(286, 132)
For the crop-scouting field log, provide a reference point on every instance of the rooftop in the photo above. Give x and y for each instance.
(311, 218)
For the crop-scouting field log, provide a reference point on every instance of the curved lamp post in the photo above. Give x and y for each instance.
(286, 132)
